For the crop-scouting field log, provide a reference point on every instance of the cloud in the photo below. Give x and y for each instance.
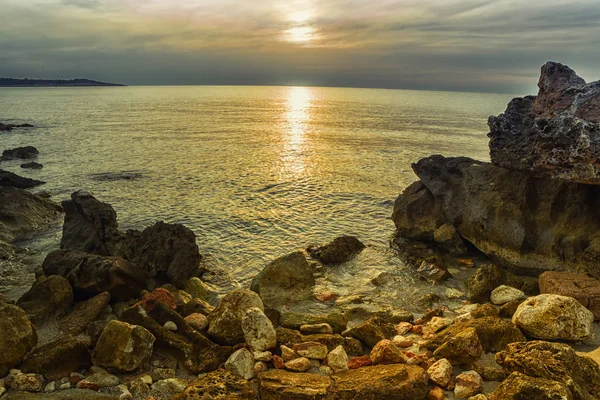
(445, 44)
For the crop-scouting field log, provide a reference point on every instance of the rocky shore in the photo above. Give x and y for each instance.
(129, 315)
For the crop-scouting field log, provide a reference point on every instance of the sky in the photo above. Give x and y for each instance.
(463, 45)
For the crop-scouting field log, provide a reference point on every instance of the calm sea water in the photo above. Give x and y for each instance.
(255, 172)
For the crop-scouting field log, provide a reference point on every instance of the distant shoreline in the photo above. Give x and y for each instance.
(37, 83)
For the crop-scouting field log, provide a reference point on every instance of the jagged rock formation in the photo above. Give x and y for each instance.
(556, 133)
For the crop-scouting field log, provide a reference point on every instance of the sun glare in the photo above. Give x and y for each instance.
(301, 34)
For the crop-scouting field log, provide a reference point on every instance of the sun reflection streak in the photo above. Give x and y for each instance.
(297, 116)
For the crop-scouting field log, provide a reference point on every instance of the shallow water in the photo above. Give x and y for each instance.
(255, 172)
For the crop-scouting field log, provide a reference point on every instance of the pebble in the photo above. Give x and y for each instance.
(468, 384)
(301, 364)
(316, 328)
(241, 364)
(337, 359)
(440, 372)
(312, 350)
(170, 325)
(504, 294)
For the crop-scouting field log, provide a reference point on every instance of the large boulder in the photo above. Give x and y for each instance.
(581, 287)
(123, 346)
(18, 336)
(525, 224)
(554, 133)
(340, 250)
(519, 386)
(225, 322)
(23, 214)
(286, 280)
(555, 362)
(91, 274)
(49, 297)
(554, 317)
(58, 359)
(22, 153)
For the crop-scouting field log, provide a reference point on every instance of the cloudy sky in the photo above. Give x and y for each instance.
(471, 45)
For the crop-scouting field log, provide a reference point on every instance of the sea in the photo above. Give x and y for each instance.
(255, 172)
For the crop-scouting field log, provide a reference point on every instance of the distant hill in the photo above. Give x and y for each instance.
(8, 82)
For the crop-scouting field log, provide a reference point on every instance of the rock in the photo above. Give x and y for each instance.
(18, 336)
(290, 337)
(225, 322)
(32, 165)
(197, 321)
(48, 298)
(504, 294)
(123, 346)
(553, 134)
(294, 320)
(554, 317)
(276, 384)
(312, 350)
(316, 328)
(23, 153)
(440, 372)
(463, 348)
(201, 290)
(468, 384)
(581, 287)
(371, 331)
(520, 386)
(241, 363)
(486, 279)
(341, 249)
(285, 281)
(386, 352)
(58, 359)
(494, 333)
(449, 239)
(21, 382)
(556, 362)
(23, 214)
(300, 364)
(258, 330)
(337, 359)
(91, 275)
(84, 313)
(433, 272)
(393, 381)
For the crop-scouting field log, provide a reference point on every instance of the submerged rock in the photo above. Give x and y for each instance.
(554, 317)
(341, 249)
(18, 336)
(19, 153)
(123, 346)
(554, 133)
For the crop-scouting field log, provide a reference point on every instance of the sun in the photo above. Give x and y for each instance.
(300, 34)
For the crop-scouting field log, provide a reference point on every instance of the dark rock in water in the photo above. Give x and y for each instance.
(341, 249)
(525, 224)
(116, 176)
(84, 313)
(556, 362)
(92, 274)
(488, 278)
(49, 297)
(90, 225)
(556, 133)
(16, 181)
(18, 336)
(225, 322)
(166, 253)
(285, 281)
(23, 153)
(32, 165)
(23, 213)
(520, 386)
(58, 359)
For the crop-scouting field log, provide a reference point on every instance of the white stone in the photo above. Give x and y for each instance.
(241, 363)
(505, 294)
(440, 372)
(468, 384)
(258, 330)
(554, 317)
(337, 359)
